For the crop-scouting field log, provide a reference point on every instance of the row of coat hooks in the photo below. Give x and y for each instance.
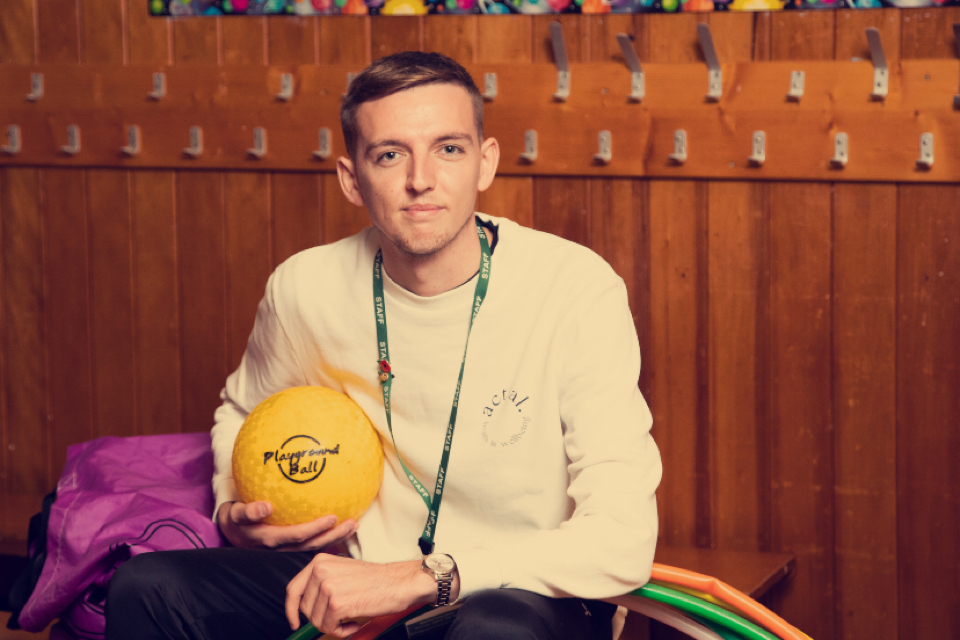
(878, 90)
(604, 155)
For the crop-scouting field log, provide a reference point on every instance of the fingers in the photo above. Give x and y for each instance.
(325, 537)
(295, 589)
(250, 513)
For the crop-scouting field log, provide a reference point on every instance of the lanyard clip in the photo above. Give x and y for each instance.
(385, 371)
(426, 547)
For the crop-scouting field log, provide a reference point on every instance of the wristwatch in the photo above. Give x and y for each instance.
(441, 567)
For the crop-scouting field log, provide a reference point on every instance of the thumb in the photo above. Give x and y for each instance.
(251, 513)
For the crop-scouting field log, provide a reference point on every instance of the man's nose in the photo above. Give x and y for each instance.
(421, 175)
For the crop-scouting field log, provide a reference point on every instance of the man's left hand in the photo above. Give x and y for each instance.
(333, 591)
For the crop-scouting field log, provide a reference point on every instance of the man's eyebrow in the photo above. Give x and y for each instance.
(455, 136)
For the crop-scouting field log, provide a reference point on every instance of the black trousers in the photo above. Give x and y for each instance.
(229, 593)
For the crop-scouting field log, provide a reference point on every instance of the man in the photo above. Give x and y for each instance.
(519, 344)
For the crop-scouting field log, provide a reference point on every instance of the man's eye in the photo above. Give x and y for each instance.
(451, 149)
(389, 156)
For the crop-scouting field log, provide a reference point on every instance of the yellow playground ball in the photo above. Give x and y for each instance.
(311, 452)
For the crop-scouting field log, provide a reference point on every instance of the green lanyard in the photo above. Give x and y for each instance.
(386, 381)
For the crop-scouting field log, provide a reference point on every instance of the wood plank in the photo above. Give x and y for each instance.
(17, 33)
(927, 33)
(156, 313)
(149, 38)
(928, 385)
(864, 317)
(801, 408)
(294, 39)
(196, 41)
(737, 361)
(296, 213)
(733, 35)
(509, 197)
(341, 219)
(673, 38)
(751, 572)
(111, 303)
(345, 41)
(504, 39)
(201, 275)
(59, 31)
(802, 35)
(603, 32)
(249, 263)
(26, 439)
(851, 39)
(244, 41)
(575, 37)
(103, 32)
(561, 206)
(676, 208)
(392, 34)
(66, 268)
(454, 36)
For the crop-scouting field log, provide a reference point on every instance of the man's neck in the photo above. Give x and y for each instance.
(436, 273)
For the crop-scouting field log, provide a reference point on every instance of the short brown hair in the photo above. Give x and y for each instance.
(398, 72)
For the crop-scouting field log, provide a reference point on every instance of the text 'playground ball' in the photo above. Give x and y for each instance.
(311, 452)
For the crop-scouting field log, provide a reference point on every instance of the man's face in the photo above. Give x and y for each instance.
(418, 167)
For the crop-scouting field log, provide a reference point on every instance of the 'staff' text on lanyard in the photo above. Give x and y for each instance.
(386, 381)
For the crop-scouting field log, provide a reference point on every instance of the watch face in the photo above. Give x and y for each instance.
(439, 563)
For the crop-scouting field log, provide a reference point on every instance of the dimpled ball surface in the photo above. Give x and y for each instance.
(311, 452)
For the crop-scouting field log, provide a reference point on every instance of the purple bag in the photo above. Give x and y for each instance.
(118, 497)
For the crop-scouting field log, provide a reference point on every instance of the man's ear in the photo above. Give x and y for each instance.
(346, 172)
(489, 159)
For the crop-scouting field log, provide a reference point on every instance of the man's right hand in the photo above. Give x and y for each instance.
(242, 524)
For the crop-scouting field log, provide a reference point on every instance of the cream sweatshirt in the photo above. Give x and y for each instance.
(552, 473)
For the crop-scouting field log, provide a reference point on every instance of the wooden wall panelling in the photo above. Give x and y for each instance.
(157, 324)
(294, 39)
(928, 414)
(737, 361)
(928, 33)
(345, 40)
(392, 34)
(111, 302)
(295, 212)
(802, 35)
(26, 438)
(454, 36)
(148, 38)
(505, 39)
(58, 26)
(247, 201)
(677, 211)
(201, 273)
(864, 318)
(196, 41)
(340, 218)
(732, 33)
(851, 38)
(104, 34)
(66, 273)
(18, 33)
(247, 215)
(801, 406)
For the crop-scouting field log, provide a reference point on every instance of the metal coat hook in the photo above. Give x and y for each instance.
(159, 86)
(132, 147)
(605, 152)
(840, 150)
(926, 151)
(13, 145)
(286, 87)
(36, 87)
(956, 37)
(529, 146)
(881, 74)
(195, 150)
(489, 86)
(259, 143)
(759, 148)
(715, 74)
(563, 67)
(73, 140)
(679, 154)
(324, 148)
(797, 80)
(637, 81)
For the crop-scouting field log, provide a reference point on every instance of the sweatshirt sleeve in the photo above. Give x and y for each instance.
(269, 365)
(606, 547)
